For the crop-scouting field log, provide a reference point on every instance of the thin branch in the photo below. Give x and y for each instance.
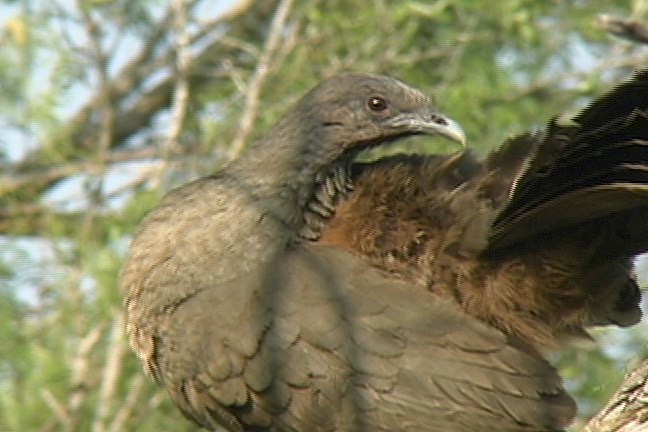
(93, 33)
(79, 384)
(59, 410)
(28, 217)
(107, 112)
(181, 92)
(250, 109)
(291, 38)
(124, 413)
(10, 183)
(629, 29)
(80, 365)
(240, 45)
(81, 131)
(111, 373)
(138, 70)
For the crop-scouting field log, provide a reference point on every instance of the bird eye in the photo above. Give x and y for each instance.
(377, 104)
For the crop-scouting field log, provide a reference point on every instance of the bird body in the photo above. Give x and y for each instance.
(285, 294)
(250, 326)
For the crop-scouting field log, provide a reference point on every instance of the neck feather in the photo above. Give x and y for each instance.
(283, 169)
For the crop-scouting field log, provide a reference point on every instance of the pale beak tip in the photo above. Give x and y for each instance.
(453, 131)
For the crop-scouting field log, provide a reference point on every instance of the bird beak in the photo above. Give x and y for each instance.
(429, 122)
(438, 124)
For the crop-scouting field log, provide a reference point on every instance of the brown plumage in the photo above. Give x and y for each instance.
(251, 325)
(536, 240)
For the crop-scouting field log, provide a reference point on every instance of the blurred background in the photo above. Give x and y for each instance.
(106, 104)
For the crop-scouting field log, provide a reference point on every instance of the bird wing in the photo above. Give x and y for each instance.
(593, 168)
(317, 340)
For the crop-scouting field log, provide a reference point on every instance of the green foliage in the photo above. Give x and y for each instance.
(498, 67)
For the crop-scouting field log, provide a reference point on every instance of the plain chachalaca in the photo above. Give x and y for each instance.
(251, 325)
(537, 240)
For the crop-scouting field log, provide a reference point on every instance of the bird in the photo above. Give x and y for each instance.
(236, 305)
(537, 239)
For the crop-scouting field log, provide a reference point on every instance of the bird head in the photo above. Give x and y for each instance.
(355, 111)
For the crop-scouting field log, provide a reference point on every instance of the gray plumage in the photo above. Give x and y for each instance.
(251, 327)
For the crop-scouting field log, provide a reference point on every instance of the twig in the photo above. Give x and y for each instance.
(119, 421)
(112, 369)
(260, 73)
(10, 183)
(106, 109)
(65, 415)
(59, 411)
(93, 33)
(80, 367)
(81, 129)
(629, 29)
(291, 37)
(239, 44)
(138, 71)
(111, 373)
(181, 91)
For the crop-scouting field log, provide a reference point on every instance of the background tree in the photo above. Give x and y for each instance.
(108, 103)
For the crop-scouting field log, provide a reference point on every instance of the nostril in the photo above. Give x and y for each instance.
(439, 119)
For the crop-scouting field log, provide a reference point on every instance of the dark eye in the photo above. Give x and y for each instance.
(377, 104)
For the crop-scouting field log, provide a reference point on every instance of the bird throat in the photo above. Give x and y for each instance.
(331, 187)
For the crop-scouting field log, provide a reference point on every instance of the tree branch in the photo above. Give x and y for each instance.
(181, 91)
(26, 179)
(629, 29)
(627, 410)
(124, 413)
(111, 373)
(256, 82)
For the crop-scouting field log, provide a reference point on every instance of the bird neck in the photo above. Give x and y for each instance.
(281, 170)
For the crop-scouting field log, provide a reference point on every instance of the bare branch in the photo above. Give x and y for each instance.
(138, 70)
(93, 33)
(59, 411)
(123, 414)
(65, 415)
(629, 29)
(256, 82)
(12, 182)
(627, 410)
(80, 366)
(116, 350)
(241, 45)
(106, 109)
(35, 174)
(181, 91)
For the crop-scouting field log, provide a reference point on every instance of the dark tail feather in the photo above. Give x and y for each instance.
(595, 169)
(618, 102)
